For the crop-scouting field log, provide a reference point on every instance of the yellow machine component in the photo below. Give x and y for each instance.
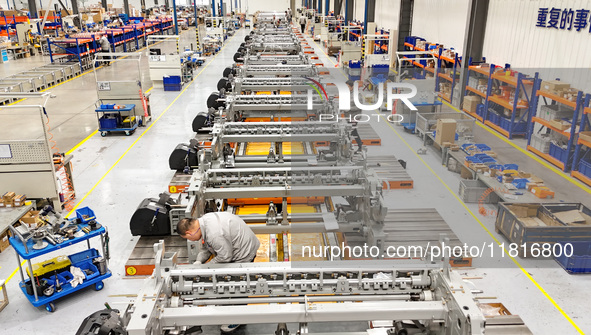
(262, 148)
(50, 265)
(295, 242)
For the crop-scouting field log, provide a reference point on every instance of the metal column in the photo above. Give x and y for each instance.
(474, 40)
(105, 6)
(326, 5)
(125, 7)
(319, 7)
(404, 22)
(369, 15)
(213, 8)
(337, 7)
(75, 10)
(33, 9)
(176, 26)
(348, 11)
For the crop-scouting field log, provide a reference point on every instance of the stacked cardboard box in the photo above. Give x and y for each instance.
(554, 86)
(445, 131)
(471, 102)
(11, 199)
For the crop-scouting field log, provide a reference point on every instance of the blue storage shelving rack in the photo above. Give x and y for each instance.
(581, 168)
(562, 158)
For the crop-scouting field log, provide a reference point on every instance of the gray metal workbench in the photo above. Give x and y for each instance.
(9, 216)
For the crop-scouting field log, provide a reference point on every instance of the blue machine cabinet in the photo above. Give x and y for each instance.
(84, 260)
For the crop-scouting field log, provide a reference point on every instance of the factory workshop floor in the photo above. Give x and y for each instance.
(113, 174)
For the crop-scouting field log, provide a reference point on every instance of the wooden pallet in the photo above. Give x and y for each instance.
(141, 260)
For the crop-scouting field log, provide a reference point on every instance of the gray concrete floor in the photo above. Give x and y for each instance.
(113, 174)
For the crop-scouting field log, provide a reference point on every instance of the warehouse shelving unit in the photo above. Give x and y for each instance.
(437, 51)
(477, 74)
(558, 156)
(78, 48)
(581, 167)
(517, 124)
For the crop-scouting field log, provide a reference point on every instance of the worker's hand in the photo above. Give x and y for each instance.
(197, 262)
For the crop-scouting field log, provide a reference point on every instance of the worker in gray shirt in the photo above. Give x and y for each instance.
(105, 48)
(223, 235)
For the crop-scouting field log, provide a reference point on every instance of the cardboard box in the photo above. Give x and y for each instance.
(19, 200)
(30, 218)
(49, 13)
(445, 131)
(97, 18)
(554, 86)
(4, 241)
(523, 211)
(471, 102)
(585, 136)
(7, 197)
(9, 13)
(559, 124)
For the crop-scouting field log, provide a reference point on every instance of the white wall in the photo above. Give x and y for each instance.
(358, 10)
(387, 14)
(266, 5)
(441, 21)
(512, 37)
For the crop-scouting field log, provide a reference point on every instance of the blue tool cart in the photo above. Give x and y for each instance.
(113, 119)
(51, 279)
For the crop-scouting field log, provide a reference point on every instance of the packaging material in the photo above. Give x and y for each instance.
(4, 244)
(542, 192)
(445, 131)
(19, 200)
(585, 136)
(49, 13)
(554, 86)
(96, 18)
(571, 217)
(471, 102)
(560, 124)
(523, 211)
(30, 218)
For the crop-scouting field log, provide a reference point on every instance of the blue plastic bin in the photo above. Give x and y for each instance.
(108, 106)
(558, 153)
(580, 261)
(520, 183)
(171, 80)
(108, 122)
(83, 260)
(511, 167)
(85, 211)
(585, 168)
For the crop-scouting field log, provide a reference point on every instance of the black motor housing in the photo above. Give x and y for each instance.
(150, 218)
(181, 156)
(199, 122)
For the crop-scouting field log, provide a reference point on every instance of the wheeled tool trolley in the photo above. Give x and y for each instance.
(112, 119)
(52, 279)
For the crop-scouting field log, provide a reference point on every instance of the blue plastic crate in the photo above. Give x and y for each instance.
(493, 117)
(585, 168)
(83, 256)
(172, 87)
(520, 183)
(108, 122)
(171, 80)
(480, 110)
(579, 261)
(85, 211)
(558, 153)
(354, 64)
(108, 106)
(483, 147)
(518, 127)
(511, 167)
